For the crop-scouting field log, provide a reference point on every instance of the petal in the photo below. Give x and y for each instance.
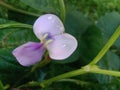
(29, 53)
(48, 23)
(62, 46)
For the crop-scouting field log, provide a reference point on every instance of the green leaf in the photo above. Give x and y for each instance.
(14, 36)
(3, 12)
(113, 61)
(108, 24)
(10, 70)
(47, 6)
(36, 7)
(42, 5)
(91, 43)
(2, 87)
(10, 38)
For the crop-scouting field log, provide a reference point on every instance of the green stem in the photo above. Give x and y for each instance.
(62, 9)
(15, 25)
(78, 82)
(84, 70)
(86, 83)
(106, 72)
(59, 77)
(96, 69)
(17, 9)
(42, 63)
(106, 47)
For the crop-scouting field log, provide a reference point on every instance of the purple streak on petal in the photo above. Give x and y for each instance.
(49, 36)
(29, 53)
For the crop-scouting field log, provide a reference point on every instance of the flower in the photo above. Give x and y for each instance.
(50, 30)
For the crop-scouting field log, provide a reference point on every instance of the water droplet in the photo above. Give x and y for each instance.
(64, 45)
(49, 17)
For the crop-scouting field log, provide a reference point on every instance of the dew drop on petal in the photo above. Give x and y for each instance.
(49, 17)
(64, 45)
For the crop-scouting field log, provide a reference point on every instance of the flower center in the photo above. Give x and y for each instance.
(46, 39)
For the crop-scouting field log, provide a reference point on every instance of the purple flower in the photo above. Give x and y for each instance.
(50, 30)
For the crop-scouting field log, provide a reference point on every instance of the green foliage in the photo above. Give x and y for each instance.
(40, 5)
(2, 87)
(107, 24)
(10, 70)
(80, 21)
(92, 42)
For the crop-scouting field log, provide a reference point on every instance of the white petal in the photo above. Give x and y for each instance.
(48, 23)
(62, 46)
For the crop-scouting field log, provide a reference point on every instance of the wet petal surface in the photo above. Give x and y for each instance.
(29, 53)
(48, 23)
(62, 46)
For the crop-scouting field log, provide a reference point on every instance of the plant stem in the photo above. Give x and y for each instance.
(59, 77)
(17, 9)
(21, 25)
(106, 72)
(83, 70)
(110, 42)
(78, 82)
(62, 8)
(42, 63)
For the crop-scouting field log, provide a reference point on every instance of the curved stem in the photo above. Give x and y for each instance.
(57, 78)
(86, 83)
(110, 42)
(84, 70)
(62, 8)
(78, 82)
(17, 9)
(21, 25)
(65, 75)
